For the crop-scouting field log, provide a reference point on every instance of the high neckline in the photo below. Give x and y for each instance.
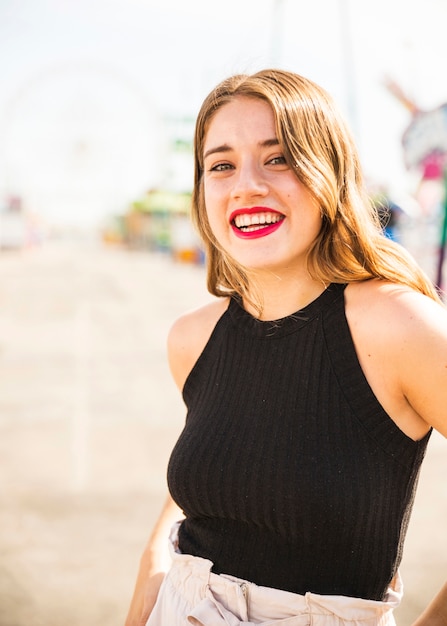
(245, 321)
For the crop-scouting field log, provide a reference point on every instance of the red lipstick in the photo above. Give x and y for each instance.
(255, 230)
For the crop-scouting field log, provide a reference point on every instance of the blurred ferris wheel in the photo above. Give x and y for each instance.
(80, 141)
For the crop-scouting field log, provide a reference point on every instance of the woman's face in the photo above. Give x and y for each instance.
(258, 210)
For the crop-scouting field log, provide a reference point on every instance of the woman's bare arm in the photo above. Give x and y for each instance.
(436, 612)
(154, 564)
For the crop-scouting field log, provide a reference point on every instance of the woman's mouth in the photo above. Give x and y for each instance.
(255, 222)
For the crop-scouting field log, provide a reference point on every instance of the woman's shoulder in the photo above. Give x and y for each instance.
(402, 308)
(400, 336)
(188, 336)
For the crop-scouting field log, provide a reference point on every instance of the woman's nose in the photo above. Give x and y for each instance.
(249, 181)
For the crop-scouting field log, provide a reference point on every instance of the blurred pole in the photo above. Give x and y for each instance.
(443, 242)
(277, 32)
(348, 65)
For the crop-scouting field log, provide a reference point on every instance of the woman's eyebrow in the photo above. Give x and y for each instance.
(223, 148)
(266, 143)
(269, 143)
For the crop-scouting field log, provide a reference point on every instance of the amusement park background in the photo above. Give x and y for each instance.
(98, 257)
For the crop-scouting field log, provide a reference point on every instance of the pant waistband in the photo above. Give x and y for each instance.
(210, 610)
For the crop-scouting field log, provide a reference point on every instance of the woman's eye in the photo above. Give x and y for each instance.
(278, 160)
(220, 167)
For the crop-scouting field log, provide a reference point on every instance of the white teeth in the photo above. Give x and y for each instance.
(246, 220)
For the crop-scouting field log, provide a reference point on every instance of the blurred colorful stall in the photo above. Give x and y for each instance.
(158, 222)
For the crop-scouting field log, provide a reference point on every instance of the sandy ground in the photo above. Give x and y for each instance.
(88, 415)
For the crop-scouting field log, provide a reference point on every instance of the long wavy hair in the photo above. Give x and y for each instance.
(319, 147)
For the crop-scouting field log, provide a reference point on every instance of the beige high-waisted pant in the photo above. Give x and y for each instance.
(192, 594)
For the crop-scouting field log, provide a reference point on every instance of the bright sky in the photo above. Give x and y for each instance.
(90, 89)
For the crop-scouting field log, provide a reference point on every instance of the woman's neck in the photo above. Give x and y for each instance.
(281, 295)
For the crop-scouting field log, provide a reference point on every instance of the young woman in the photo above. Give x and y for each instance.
(312, 382)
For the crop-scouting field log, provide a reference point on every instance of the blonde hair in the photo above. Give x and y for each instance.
(319, 147)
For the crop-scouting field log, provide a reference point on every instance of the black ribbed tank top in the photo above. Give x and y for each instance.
(288, 470)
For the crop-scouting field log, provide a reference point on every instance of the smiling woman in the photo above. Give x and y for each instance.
(312, 383)
(317, 160)
(251, 192)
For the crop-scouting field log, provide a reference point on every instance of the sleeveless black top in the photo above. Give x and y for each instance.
(288, 470)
